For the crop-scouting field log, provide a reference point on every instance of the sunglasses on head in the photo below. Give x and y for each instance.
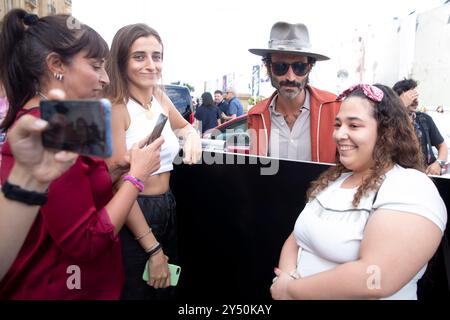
(299, 68)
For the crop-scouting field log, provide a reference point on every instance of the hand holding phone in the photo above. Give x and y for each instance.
(80, 126)
(157, 130)
(174, 271)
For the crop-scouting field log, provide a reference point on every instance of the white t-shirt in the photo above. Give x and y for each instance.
(141, 127)
(329, 230)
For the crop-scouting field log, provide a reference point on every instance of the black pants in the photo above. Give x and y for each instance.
(160, 213)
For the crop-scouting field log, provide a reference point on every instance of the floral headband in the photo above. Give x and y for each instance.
(373, 93)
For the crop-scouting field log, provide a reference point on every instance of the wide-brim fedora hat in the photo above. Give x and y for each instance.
(290, 39)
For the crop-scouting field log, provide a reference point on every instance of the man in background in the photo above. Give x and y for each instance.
(221, 103)
(235, 108)
(426, 130)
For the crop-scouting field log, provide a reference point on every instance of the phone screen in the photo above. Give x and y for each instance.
(81, 126)
(159, 126)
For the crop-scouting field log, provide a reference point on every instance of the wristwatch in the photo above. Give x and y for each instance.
(442, 163)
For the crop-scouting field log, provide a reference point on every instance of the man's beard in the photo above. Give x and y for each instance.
(289, 89)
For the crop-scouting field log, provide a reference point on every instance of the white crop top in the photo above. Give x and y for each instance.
(140, 127)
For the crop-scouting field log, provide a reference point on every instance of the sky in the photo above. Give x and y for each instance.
(206, 39)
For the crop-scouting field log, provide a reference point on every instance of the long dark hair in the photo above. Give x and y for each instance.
(207, 100)
(396, 143)
(116, 66)
(25, 43)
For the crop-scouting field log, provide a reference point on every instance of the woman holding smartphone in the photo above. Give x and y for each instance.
(34, 169)
(72, 250)
(138, 99)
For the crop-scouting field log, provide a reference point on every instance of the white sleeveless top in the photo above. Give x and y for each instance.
(140, 127)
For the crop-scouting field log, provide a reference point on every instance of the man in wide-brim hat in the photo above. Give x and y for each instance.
(297, 121)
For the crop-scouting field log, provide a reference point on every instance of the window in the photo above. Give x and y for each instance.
(8, 4)
(32, 3)
(51, 9)
(234, 134)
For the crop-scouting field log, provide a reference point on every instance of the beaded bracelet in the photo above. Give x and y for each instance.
(135, 181)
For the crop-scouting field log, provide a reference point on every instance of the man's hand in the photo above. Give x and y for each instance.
(410, 98)
(434, 169)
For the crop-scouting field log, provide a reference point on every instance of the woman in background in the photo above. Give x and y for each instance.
(208, 114)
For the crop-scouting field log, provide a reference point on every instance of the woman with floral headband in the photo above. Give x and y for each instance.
(362, 235)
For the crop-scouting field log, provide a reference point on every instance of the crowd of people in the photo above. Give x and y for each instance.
(210, 113)
(121, 213)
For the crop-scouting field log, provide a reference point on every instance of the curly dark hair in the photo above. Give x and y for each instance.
(396, 144)
(404, 85)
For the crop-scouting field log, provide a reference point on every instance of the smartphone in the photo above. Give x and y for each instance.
(174, 271)
(157, 130)
(81, 126)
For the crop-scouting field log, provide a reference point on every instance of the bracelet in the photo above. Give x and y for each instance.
(154, 249)
(16, 193)
(441, 163)
(135, 181)
(144, 235)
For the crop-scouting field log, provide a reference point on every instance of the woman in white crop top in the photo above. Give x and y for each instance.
(374, 220)
(135, 70)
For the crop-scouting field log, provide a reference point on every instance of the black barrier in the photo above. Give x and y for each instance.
(233, 219)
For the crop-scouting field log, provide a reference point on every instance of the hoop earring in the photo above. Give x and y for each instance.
(58, 76)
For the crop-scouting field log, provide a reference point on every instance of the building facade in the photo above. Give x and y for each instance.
(39, 7)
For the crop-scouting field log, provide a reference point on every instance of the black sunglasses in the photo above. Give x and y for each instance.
(299, 68)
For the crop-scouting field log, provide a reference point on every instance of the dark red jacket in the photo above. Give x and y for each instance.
(71, 229)
(323, 111)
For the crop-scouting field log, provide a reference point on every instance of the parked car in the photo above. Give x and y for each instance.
(233, 133)
(181, 98)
